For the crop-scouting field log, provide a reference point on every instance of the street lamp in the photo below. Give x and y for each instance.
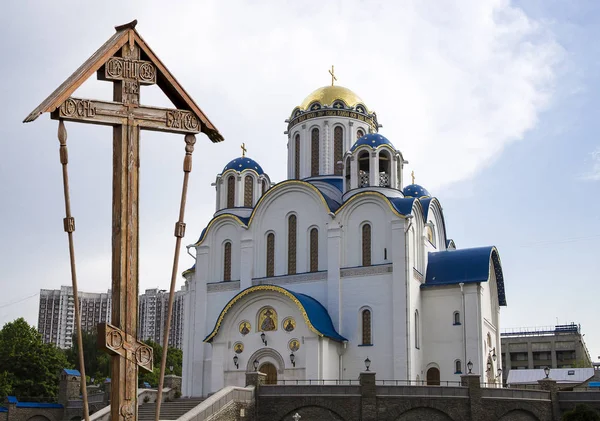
(367, 363)
(494, 355)
(264, 338)
(293, 359)
(489, 366)
(235, 361)
(255, 364)
(470, 366)
(547, 371)
(171, 369)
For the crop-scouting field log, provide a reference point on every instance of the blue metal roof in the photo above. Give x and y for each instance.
(71, 372)
(402, 205)
(466, 265)
(414, 190)
(331, 203)
(594, 384)
(425, 201)
(317, 315)
(373, 140)
(243, 163)
(38, 405)
(12, 399)
(337, 182)
(3, 409)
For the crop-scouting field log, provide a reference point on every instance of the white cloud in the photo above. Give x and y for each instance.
(453, 83)
(594, 173)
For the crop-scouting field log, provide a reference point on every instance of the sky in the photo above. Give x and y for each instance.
(492, 102)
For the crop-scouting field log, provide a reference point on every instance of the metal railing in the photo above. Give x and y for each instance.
(416, 383)
(317, 382)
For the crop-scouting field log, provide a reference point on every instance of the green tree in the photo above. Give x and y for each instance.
(97, 362)
(582, 412)
(28, 367)
(174, 359)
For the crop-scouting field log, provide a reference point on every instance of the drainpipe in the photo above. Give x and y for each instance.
(464, 323)
(408, 274)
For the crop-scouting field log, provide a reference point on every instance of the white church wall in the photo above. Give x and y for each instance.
(375, 293)
(416, 340)
(272, 216)
(473, 327)
(443, 340)
(226, 230)
(326, 126)
(367, 209)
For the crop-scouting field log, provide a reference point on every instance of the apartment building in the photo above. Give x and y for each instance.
(56, 321)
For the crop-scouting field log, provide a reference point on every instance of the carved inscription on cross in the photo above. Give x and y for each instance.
(127, 61)
(125, 114)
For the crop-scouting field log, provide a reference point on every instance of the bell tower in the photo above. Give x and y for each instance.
(323, 128)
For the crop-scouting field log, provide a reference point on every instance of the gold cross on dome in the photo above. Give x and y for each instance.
(332, 73)
(412, 174)
(244, 150)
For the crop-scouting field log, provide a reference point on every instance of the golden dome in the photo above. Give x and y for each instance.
(328, 94)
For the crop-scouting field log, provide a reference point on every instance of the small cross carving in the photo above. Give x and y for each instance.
(296, 416)
(412, 174)
(244, 150)
(332, 73)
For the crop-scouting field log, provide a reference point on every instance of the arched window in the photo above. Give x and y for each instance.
(248, 191)
(457, 367)
(338, 150)
(366, 245)
(227, 261)
(456, 318)
(417, 330)
(231, 191)
(314, 250)
(271, 254)
(348, 173)
(314, 153)
(429, 233)
(292, 244)
(359, 133)
(385, 166)
(363, 169)
(366, 327)
(297, 157)
(489, 340)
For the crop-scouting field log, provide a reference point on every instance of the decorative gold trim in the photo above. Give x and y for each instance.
(218, 218)
(247, 291)
(310, 186)
(284, 184)
(370, 193)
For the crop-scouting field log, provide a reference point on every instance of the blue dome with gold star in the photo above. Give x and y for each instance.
(244, 163)
(373, 140)
(414, 190)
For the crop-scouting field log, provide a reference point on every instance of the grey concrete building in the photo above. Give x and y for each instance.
(561, 346)
(56, 320)
(152, 306)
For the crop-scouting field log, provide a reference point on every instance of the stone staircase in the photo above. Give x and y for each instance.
(168, 410)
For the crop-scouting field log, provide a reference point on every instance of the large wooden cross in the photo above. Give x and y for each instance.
(127, 61)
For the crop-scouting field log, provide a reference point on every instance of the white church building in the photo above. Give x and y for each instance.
(340, 265)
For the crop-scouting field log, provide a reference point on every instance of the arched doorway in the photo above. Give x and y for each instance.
(433, 377)
(271, 372)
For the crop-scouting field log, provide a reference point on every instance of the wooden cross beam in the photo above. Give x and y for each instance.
(127, 61)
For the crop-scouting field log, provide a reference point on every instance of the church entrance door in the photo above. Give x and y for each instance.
(433, 377)
(271, 372)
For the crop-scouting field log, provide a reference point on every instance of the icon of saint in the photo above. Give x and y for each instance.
(268, 323)
(289, 326)
(244, 330)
